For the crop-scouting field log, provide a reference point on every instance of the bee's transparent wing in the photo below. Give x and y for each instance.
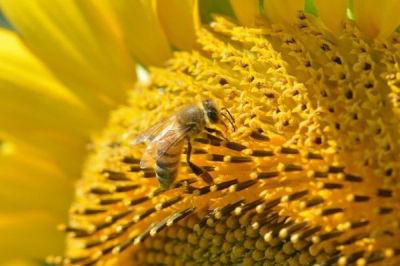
(154, 131)
(169, 137)
(172, 139)
(152, 136)
(148, 157)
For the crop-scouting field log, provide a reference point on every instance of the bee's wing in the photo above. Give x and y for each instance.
(148, 157)
(169, 137)
(173, 138)
(153, 136)
(154, 131)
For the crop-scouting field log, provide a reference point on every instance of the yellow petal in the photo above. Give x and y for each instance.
(34, 198)
(32, 172)
(283, 11)
(34, 105)
(23, 190)
(246, 11)
(179, 20)
(22, 262)
(142, 30)
(38, 109)
(377, 18)
(32, 178)
(66, 154)
(17, 63)
(36, 173)
(332, 13)
(80, 44)
(28, 235)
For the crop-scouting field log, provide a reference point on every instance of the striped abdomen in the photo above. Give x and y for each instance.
(167, 163)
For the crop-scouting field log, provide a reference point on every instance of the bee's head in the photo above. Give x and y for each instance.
(211, 111)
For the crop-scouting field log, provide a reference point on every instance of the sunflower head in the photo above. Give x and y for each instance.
(310, 176)
(298, 165)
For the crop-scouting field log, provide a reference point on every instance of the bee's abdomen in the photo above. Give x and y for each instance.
(167, 165)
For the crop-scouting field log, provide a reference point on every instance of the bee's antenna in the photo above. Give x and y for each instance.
(226, 127)
(229, 113)
(230, 121)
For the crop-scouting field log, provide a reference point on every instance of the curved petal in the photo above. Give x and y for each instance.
(18, 65)
(179, 20)
(246, 11)
(22, 262)
(332, 13)
(32, 178)
(283, 11)
(142, 30)
(37, 108)
(79, 42)
(28, 235)
(44, 128)
(377, 18)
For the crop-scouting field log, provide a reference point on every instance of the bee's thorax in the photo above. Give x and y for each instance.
(194, 117)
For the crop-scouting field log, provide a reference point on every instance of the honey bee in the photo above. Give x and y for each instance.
(165, 140)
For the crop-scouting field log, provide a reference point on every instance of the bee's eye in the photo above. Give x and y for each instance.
(211, 110)
(212, 115)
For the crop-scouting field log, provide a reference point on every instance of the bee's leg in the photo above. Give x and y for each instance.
(196, 169)
(213, 130)
(216, 131)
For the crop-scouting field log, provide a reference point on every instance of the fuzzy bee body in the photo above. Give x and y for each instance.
(167, 164)
(166, 139)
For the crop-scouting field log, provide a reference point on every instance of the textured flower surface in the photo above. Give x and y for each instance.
(310, 175)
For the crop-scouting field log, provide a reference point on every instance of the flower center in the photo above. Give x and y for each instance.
(309, 176)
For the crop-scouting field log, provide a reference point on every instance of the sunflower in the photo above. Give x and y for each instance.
(310, 175)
